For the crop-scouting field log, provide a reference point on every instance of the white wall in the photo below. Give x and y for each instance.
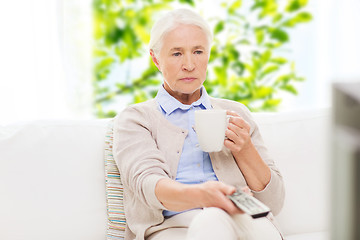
(42, 65)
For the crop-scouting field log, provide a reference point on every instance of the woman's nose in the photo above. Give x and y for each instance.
(188, 64)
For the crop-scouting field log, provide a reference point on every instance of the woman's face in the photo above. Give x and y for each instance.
(183, 62)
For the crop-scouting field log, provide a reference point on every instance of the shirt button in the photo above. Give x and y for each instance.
(198, 164)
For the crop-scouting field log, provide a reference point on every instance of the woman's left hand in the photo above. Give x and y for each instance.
(237, 133)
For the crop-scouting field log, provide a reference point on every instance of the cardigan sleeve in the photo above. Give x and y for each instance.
(141, 164)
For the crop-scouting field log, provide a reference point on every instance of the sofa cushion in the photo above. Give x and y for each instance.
(52, 176)
(310, 236)
(299, 143)
(52, 180)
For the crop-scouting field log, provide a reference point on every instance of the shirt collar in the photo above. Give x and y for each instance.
(169, 104)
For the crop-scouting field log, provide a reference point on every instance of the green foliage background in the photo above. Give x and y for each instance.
(246, 64)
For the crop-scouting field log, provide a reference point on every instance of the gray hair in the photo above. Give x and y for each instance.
(170, 21)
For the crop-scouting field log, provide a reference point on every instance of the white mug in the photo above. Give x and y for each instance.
(210, 126)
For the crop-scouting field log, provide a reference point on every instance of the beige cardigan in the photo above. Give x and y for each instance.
(147, 147)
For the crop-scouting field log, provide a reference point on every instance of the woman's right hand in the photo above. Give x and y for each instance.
(176, 196)
(214, 194)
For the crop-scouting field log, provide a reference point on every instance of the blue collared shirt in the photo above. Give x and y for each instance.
(195, 165)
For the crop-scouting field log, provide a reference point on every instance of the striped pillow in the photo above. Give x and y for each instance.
(114, 191)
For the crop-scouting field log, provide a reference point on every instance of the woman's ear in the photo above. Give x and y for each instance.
(155, 59)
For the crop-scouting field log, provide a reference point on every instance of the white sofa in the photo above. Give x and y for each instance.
(52, 180)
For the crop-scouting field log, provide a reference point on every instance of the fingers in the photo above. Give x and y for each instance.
(237, 133)
(232, 113)
(247, 190)
(238, 121)
(234, 129)
(237, 210)
(233, 209)
(228, 190)
(227, 205)
(237, 138)
(216, 196)
(233, 132)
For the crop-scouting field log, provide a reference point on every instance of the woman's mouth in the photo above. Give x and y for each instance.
(187, 79)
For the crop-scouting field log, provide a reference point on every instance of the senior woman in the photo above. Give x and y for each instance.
(172, 189)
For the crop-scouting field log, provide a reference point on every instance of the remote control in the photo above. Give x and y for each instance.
(249, 204)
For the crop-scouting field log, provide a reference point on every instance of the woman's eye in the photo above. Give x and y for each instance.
(176, 54)
(198, 52)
